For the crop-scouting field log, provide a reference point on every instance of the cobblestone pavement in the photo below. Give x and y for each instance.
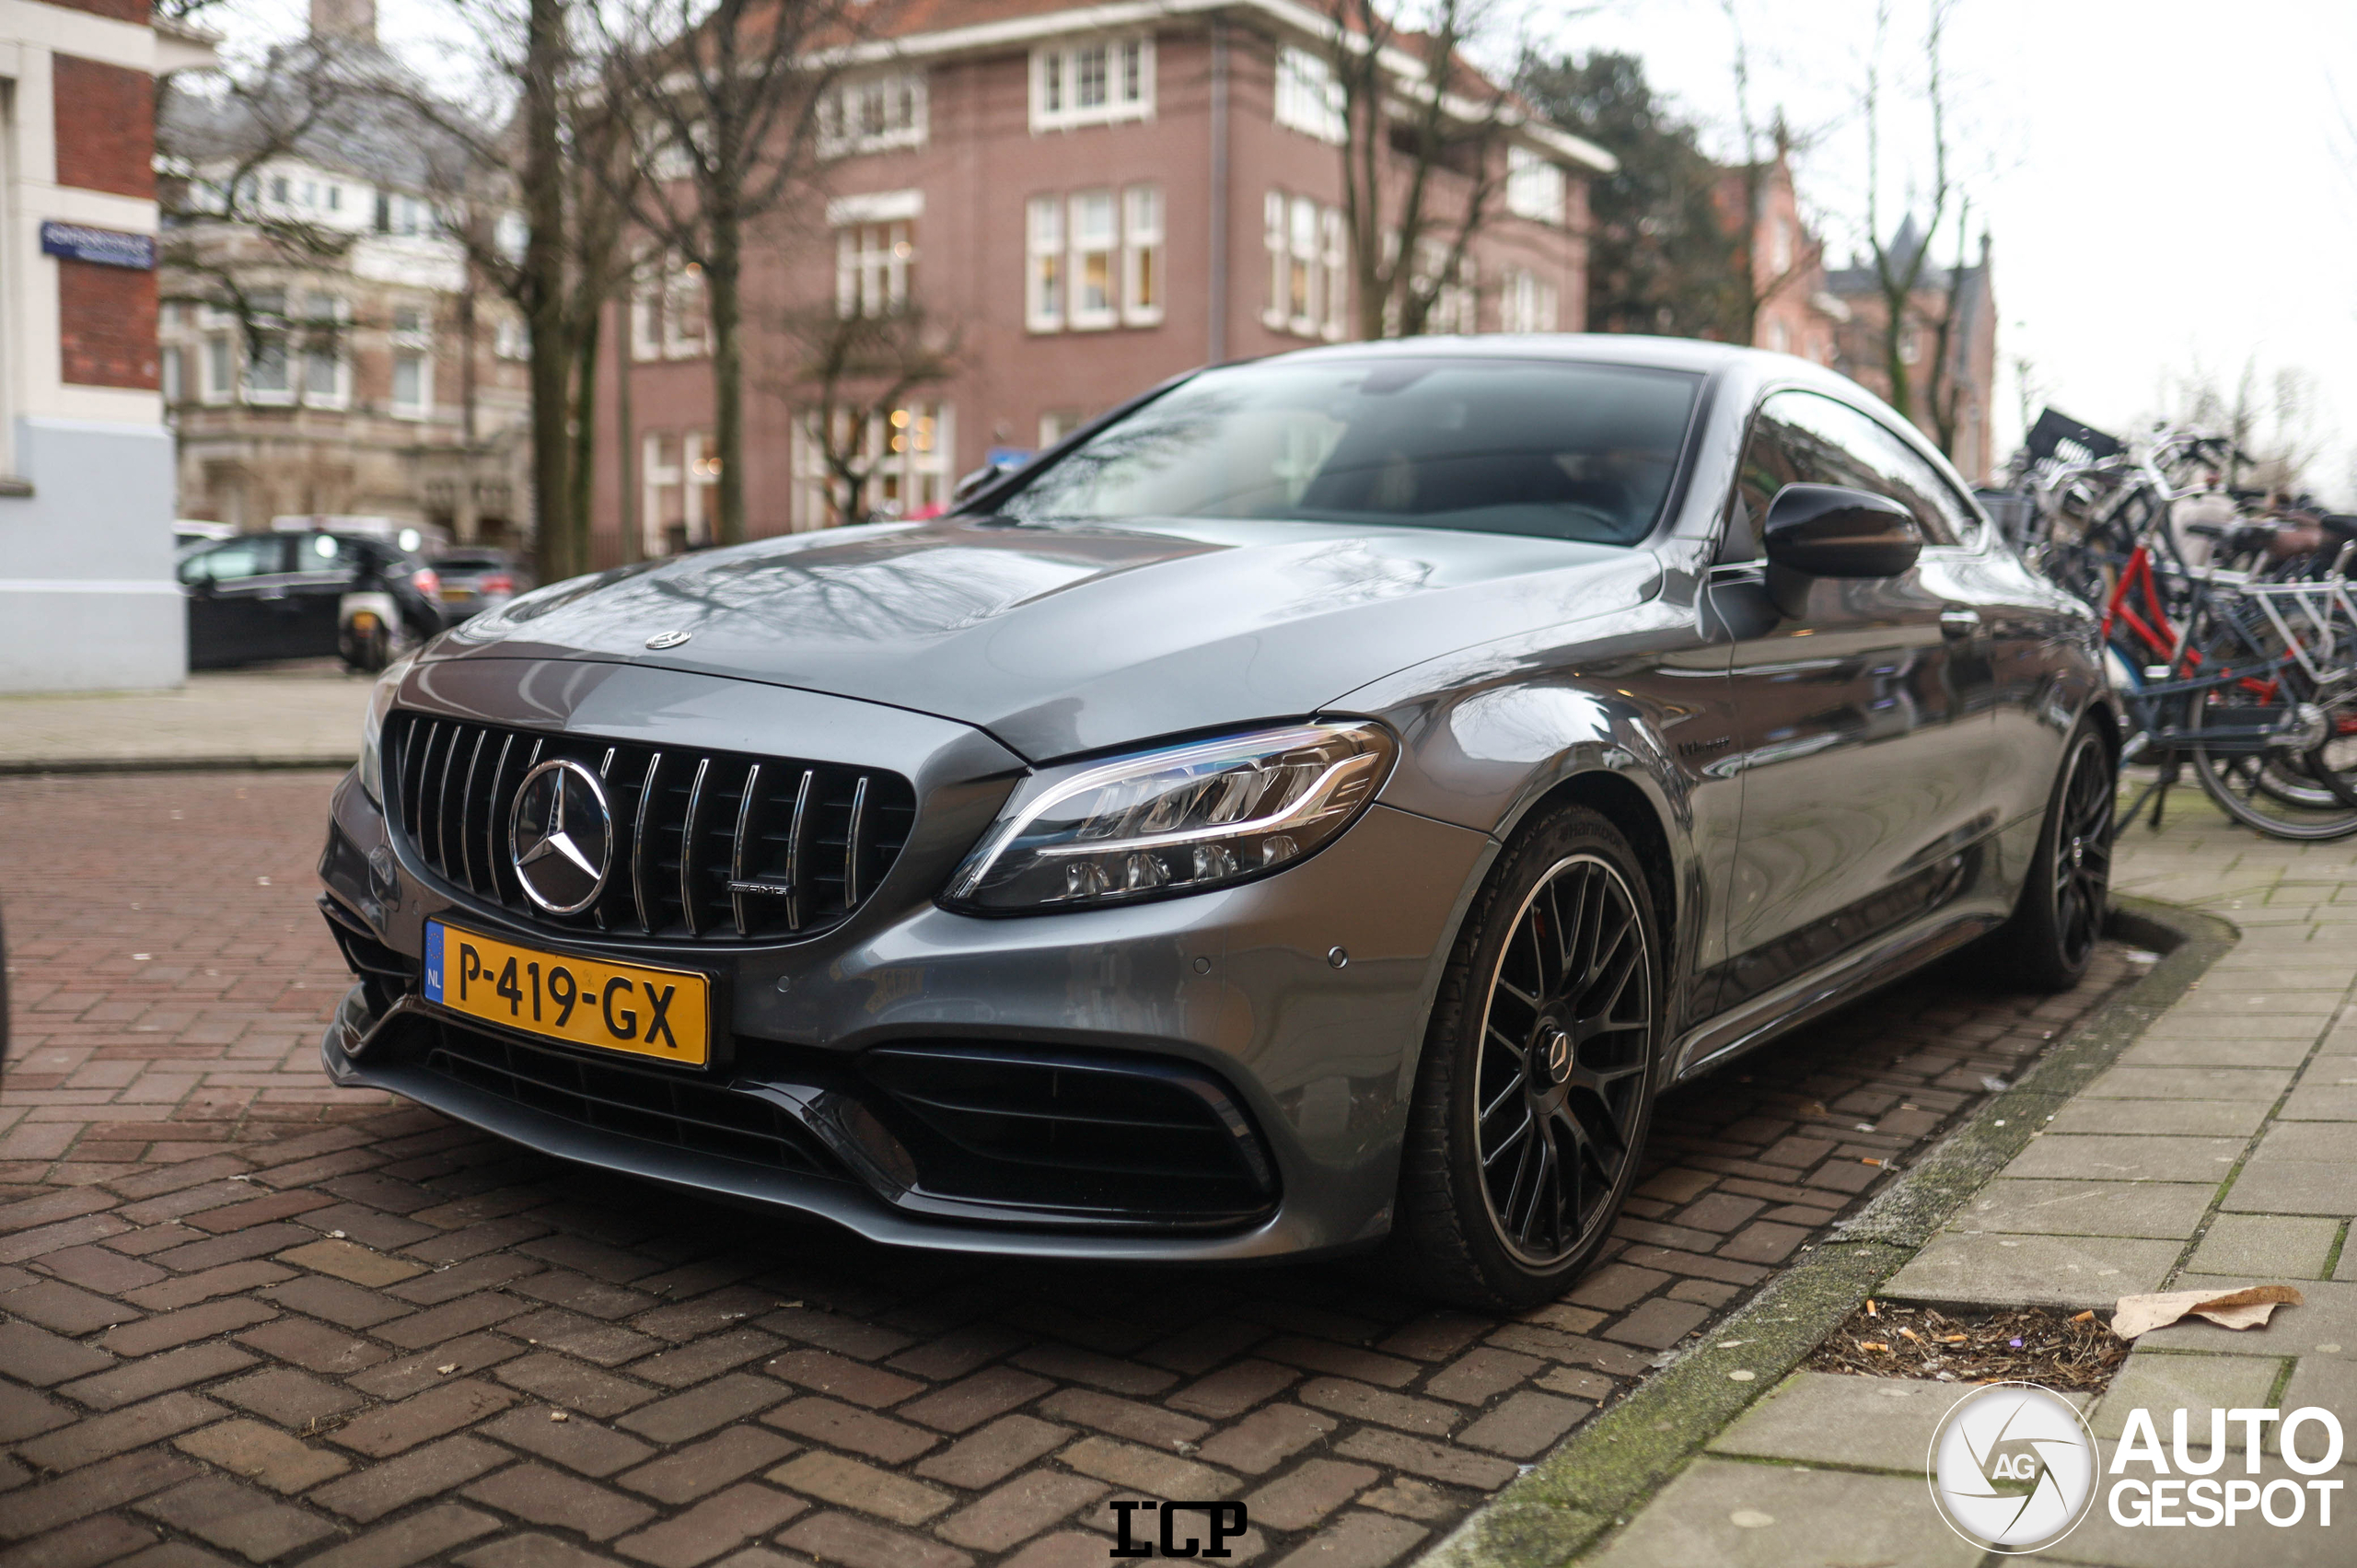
(244, 1315)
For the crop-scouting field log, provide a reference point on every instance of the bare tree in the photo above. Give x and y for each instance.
(1408, 136)
(1900, 260)
(719, 99)
(1762, 156)
(856, 371)
(536, 196)
(2273, 422)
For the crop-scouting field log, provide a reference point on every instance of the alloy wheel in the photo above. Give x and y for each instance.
(2082, 853)
(1567, 1038)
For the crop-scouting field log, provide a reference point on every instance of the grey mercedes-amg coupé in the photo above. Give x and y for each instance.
(1320, 806)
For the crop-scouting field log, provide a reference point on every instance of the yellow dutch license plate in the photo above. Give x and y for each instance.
(666, 1014)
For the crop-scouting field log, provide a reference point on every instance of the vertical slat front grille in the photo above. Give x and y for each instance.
(707, 845)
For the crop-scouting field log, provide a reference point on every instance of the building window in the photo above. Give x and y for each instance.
(1057, 423)
(174, 376)
(1093, 303)
(1527, 303)
(405, 216)
(220, 383)
(268, 378)
(1044, 306)
(666, 309)
(873, 263)
(679, 479)
(412, 363)
(1095, 260)
(511, 338)
(1142, 286)
(1308, 97)
(1535, 187)
(870, 114)
(1307, 287)
(326, 366)
(902, 456)
(1092, 83)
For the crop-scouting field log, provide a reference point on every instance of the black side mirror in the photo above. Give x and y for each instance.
(1823, 531)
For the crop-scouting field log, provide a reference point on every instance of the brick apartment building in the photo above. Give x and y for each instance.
(1088, 199)
(86, 479)
(366, 370)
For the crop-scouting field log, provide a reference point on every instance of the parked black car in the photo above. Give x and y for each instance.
(303, 596)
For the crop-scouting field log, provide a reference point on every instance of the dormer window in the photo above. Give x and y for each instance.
(1092, 82)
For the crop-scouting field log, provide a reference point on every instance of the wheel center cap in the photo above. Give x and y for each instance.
(1555, 1053)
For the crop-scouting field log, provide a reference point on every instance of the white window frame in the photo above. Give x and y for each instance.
(1046, 272)
(1056, 78)
(840, 135)
(417, 343)
(665, 294)
(1308, 98)
(337, 316)
(1145, 282)
(260, 343)
(1528, 303)
(1336, 258)
(1536, 187)
(1105, 242)
(906, 453)
(872, 265)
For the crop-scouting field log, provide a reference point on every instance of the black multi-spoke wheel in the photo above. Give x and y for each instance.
(1537, 1082)
(1561, 1069)
(2067, 894)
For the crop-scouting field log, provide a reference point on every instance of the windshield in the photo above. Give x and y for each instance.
(1542, 447)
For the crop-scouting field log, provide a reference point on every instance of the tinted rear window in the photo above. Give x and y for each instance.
(1546, 448)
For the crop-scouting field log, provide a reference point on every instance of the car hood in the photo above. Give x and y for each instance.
(1065, 639)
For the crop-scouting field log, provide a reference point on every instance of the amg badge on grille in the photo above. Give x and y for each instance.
(561, 836)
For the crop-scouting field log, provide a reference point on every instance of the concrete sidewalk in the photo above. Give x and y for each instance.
(299, 714)
(2217, 1150)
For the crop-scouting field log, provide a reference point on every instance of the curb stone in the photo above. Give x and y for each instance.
(1560, 1506)
(264, 762)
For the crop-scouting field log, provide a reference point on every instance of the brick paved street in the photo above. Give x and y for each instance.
(252, 1318)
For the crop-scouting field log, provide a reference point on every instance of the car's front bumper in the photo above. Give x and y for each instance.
(1239, 989)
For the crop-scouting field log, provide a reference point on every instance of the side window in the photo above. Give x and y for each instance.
(1768, 466)
(1844, 447)
(238, 559)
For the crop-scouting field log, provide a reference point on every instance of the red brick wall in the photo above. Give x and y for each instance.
(120, 10)
(105, 127)
(106, 320)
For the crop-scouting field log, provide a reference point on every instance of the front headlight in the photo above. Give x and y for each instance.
(372, 729)
(1180, 819)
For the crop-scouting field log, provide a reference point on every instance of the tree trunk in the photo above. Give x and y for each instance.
(584, 433)
(722, 278)
(625, 435)
(545, 273)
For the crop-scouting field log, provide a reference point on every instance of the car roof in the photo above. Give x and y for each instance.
(1594, 348)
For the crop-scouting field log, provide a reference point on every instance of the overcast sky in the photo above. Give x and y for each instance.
(2170, 186)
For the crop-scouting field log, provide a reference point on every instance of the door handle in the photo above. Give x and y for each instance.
(1959, 622)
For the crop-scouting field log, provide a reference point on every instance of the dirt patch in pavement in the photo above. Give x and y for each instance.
(2064, 1351)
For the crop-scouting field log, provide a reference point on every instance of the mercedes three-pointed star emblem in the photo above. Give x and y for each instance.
(561, 837)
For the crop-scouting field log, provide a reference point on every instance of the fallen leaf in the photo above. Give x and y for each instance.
(2231, 1309)
(559, 1415)
(445, 1371)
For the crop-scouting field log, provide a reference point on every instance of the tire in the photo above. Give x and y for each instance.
(1485, 1218)
(2048, 944)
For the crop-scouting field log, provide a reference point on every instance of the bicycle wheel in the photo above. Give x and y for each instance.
(2264, 748)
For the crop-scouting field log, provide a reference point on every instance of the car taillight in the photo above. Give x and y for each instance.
(425, 580)
(497, 583)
